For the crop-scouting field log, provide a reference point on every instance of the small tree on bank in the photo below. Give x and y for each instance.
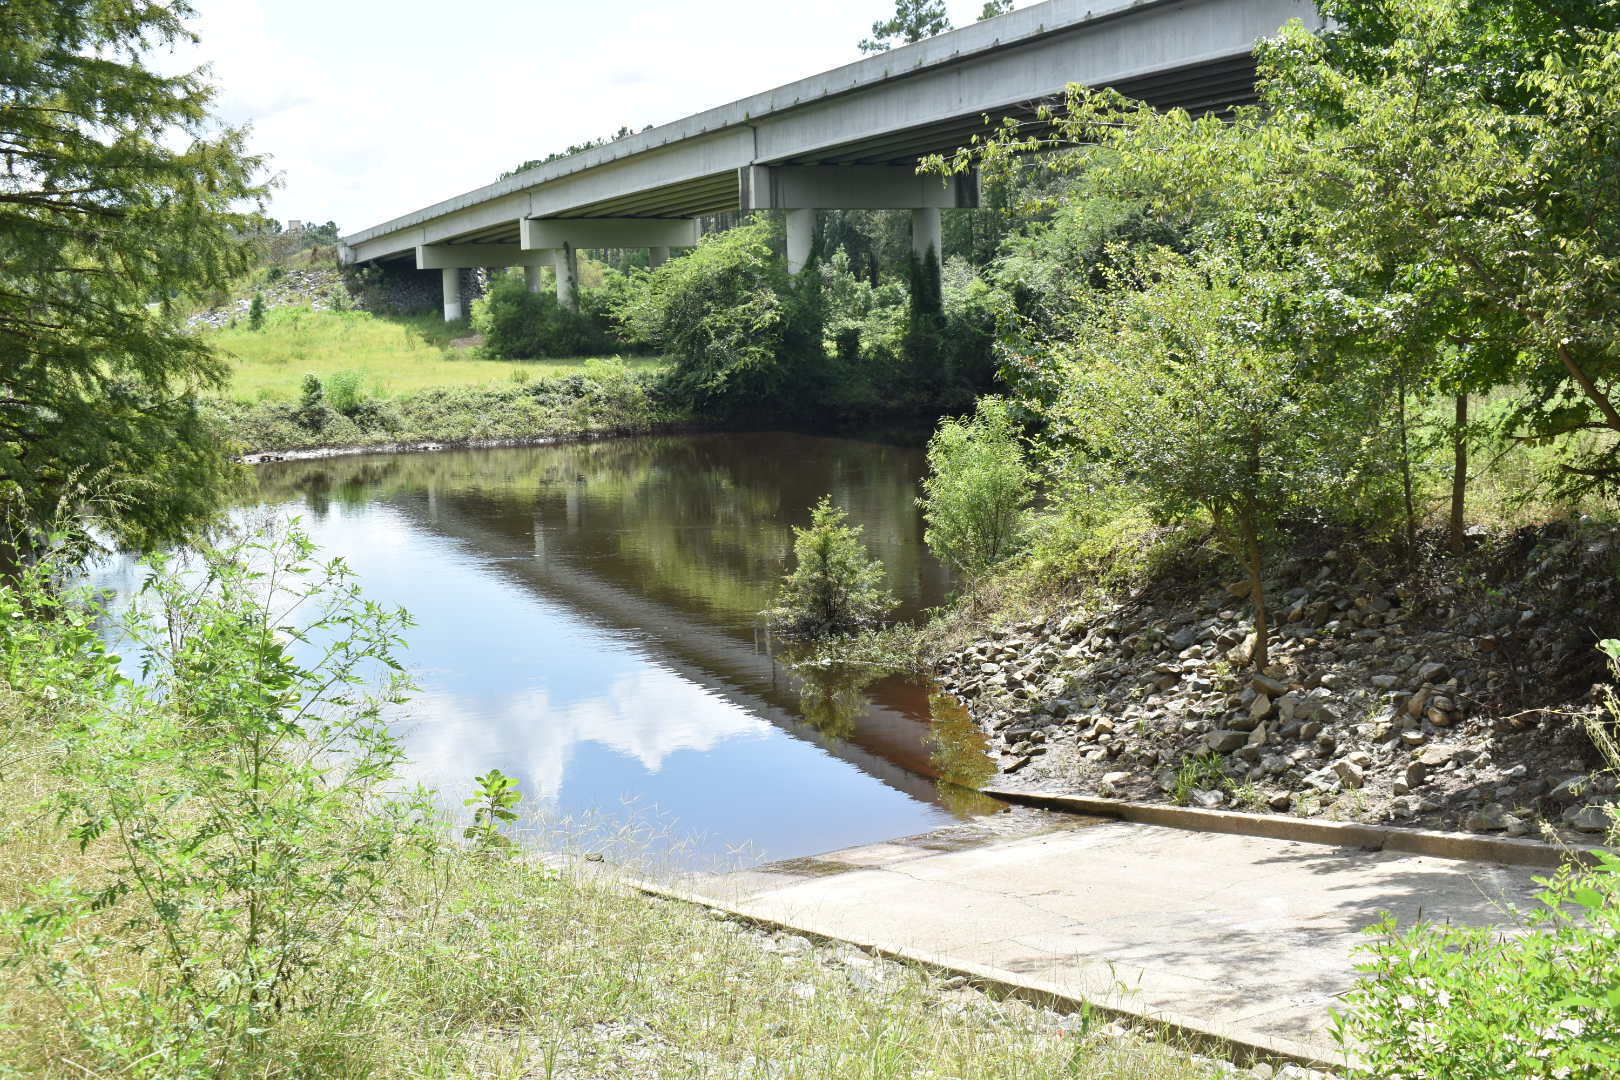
(977, 492)
(835, 587)
(1171, 391)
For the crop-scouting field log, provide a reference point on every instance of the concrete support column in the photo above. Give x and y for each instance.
(801, 233)
(925, 233)
(657, 256)
(452, 293)
(531, 276)
(567, 264)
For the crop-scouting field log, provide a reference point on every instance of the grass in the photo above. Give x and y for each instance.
(506, 968)
(394, 355)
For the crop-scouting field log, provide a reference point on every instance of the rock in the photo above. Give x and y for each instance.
(1206, 800)
(1260, 708)
(1280, 801)
(1418, 702)
(1433, 672)
(1267, 686)
(1572, 789)
(1439, 717)
(1416, 775)
(1492, 817)
(1258, 737)
(1349, 773)
(1437, 756)
(1225, 741)
(1591, 818)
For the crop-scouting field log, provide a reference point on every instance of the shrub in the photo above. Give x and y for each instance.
(727, 317)
(835, 587)
(521, 325)
(1462, 1003)
(977, 494)
(230, 806)
(344, 392)
(256, 312)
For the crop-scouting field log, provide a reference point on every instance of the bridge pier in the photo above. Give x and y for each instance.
(566, 260)
(657, 256)
(801, 234)
(926, 234)
(531, 278)
(452, 293)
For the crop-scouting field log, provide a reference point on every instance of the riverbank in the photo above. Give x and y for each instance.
(1453, 696)
(604, 397)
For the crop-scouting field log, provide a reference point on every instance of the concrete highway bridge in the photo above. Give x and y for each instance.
(849, 138)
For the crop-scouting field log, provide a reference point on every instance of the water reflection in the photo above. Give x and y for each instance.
(587, 623)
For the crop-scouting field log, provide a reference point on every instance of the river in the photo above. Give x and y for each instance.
(587, 624)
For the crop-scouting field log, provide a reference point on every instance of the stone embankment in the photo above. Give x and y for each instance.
(317, 289)
(1453, 700)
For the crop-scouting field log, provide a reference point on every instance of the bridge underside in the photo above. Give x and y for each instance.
(1218, 86)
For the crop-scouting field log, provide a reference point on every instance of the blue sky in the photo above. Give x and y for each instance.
(370, 108)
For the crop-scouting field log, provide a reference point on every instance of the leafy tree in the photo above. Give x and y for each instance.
(577, 148)
(520, 325)
(835, 587)
(992, 8)
(1171, 389)
(117, 197)
(729, 319)
(912, 21)
(256, 312)
(977, 494)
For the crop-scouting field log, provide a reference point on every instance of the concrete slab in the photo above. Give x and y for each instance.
(1249, 936)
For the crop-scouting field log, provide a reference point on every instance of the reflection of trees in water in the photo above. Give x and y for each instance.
(961, 754)
(704, 521)
(832, 697)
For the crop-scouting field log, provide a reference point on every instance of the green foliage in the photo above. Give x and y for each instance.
(606, 396)
(521, 325)
(230, 801)
(730, 321)
(344, 391)
(912, 21)
(1201, 772)
(120, 196)
(256, 312)
(1170, 390)
(1461, 1003)
(492, 807)
(835, 587)
(977, 494)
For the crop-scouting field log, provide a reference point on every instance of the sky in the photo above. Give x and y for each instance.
(372, 108)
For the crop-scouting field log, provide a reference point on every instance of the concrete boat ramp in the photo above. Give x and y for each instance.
(1244, 939)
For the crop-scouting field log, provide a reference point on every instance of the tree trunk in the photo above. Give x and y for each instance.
(1406, 475)
(1261, 654)
(1459, 473)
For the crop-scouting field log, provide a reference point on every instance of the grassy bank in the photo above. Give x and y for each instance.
(391, 355)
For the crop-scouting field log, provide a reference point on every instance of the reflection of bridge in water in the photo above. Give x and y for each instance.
(889, 741)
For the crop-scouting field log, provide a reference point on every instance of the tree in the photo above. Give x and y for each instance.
(977, 494)
(116, 199)
(912, 21)
(1172, 389)
(992, 8)
(729, 319)
(834, 587)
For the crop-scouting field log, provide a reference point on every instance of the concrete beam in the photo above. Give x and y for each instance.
(551, 233)
(473, 256)
(852, 187)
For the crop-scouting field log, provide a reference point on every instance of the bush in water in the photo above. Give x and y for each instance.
(835, 587)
